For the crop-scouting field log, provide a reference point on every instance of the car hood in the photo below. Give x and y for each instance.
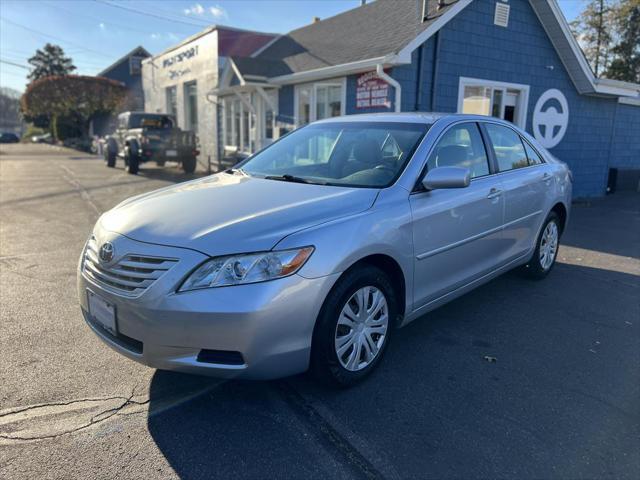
(225, 213)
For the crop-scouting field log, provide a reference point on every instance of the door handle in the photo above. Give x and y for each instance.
(546, 177)
(494, 192)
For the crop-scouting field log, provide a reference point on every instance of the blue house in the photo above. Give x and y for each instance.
(128, 70)
(513, 59)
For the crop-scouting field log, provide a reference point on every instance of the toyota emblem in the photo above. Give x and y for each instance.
(106, 252)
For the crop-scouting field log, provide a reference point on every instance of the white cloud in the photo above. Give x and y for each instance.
(217, 12)
(102, 26)
(196, 9)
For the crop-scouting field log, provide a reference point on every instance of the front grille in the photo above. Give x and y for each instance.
(130, 276)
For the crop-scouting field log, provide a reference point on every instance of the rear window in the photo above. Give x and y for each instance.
(507, 147)
(150, 121)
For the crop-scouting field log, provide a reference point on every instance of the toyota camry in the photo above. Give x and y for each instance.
(312, 252)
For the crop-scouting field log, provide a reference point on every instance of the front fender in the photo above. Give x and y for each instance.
(384, 229)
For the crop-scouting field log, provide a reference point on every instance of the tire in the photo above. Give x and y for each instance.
(542, 262)
(189, 164)
(349, 367)
(110, 153)
(132, 158)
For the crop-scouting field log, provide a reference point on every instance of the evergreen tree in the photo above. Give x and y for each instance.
(593, 31)
(626, 64)
(50, 61)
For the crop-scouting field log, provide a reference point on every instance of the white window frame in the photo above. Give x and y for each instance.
(523, 99)
(342, 83)
(186, 86)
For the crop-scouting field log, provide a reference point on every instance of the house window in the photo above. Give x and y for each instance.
(269, 115)
(497, 99)
(135, 64)
(171, 94)
(319, 100)
(191, 106)
(304, 105)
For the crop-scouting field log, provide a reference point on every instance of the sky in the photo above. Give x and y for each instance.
(95, 33)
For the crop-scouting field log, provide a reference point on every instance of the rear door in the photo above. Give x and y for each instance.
(456, 232)
(524, 182)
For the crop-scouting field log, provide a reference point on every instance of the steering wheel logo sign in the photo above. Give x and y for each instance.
(554, 122)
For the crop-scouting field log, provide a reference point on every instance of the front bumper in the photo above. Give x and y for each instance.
(270, 324)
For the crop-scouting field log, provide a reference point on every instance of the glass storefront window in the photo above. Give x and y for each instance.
(172, 101)
(228, 123)
(191, 105)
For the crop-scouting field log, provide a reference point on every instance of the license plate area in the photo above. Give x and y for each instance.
(102, 311)
(171, 153)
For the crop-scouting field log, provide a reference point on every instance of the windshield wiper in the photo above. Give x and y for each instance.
(291, 178)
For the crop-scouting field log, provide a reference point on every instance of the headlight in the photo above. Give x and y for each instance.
(248, 268)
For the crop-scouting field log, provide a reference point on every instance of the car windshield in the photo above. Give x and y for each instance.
(353, 154)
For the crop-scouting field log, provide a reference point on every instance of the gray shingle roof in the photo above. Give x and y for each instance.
(373, 30)
(261, 66)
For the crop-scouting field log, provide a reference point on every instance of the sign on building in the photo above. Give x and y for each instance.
(372, 91)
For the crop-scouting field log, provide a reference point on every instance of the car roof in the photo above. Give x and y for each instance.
(413, 117)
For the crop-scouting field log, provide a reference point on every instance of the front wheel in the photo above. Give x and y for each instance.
(132, 158)
(110, 152)
(544, 256)
(354, 326)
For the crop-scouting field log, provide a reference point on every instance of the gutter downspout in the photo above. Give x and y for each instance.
(394, 83)
(434, 76)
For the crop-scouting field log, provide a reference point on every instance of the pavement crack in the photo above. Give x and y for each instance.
(55, 419)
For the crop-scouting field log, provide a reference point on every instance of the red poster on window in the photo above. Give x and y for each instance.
(372, 91)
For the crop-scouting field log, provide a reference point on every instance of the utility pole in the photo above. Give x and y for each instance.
(599, 41)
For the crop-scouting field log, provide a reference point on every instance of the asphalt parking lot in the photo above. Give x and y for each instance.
(561, 399)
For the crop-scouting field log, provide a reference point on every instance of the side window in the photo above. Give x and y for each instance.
(532, 155)
(461, 146)
(507, 147)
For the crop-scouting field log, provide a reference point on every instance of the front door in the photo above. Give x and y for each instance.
(457, 233)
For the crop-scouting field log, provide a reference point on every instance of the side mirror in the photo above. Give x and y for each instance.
(446, 177)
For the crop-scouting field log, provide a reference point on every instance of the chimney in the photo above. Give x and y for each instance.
(315, 19)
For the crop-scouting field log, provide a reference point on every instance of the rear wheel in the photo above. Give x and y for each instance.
(189, 164)
(544, 256)
(132, 158)
(354, 326)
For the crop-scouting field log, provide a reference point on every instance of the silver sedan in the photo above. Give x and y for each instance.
(310, 253)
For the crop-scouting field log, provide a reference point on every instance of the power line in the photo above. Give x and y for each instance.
(14, 64)
(106, 22)
(37, 32)
(149, 14)
(180, 15)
